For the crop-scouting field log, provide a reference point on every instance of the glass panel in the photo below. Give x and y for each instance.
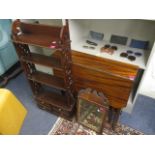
(91, 115)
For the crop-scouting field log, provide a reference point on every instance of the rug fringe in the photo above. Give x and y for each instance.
(65, 127)
(58, 121)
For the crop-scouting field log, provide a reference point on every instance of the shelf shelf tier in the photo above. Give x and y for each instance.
(42, 60)
(48, 80)
(40, 35)
(54, 100)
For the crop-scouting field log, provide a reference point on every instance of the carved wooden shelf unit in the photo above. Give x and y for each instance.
(60, 101)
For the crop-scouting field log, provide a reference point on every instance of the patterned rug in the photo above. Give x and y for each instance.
(65, 127)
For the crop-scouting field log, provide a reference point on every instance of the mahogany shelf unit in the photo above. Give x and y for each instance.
(60, 98)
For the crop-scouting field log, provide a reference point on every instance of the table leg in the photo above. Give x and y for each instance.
(110, 115)
(115, 117)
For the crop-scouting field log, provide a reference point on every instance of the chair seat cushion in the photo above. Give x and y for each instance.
(12, 113)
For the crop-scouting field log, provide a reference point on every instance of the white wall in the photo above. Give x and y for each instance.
(77, 29)
(148, 83)
(54, 22)
(137, 29)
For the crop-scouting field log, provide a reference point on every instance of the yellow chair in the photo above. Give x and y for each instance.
(12, 113)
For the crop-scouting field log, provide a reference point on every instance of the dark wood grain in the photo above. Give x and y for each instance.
(110, 77)
(36, 34)
(42, 60)
(33, 28)
(107, 76)
(56, 111)
(48, 80)
(58, 73)
(40, 40)
(94, 97)
(109, 84)
(104, 65)
(54, 99)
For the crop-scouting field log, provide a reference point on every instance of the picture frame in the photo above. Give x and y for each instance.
(92, 109)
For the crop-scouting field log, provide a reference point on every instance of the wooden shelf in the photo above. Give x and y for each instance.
(54, 110)
(42, 60)
(57, 54)
(48, 80)
(54, 99)
(39, 40)
(36, 34)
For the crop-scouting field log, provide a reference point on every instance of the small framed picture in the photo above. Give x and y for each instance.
(92, 109)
